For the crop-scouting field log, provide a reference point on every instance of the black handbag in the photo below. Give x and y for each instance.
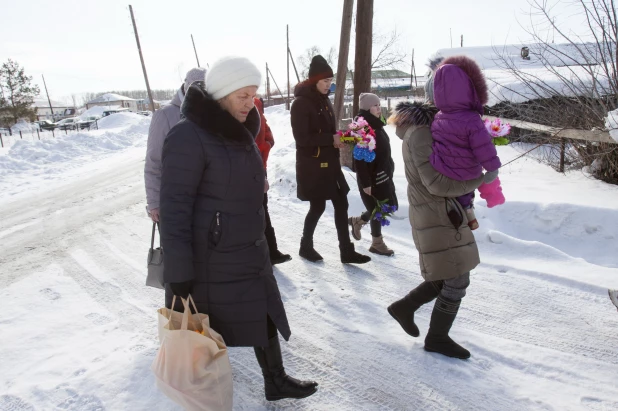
(155, 262)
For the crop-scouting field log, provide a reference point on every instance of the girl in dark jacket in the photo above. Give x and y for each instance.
(375, 179)
(318, 170)
(212, 190)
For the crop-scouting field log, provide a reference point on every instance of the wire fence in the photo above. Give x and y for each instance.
(8, 137)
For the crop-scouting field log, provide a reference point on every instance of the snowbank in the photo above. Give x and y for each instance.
(611, 123)
(32, 160)
(97, 111)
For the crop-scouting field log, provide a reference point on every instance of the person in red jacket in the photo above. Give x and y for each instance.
(265, 141)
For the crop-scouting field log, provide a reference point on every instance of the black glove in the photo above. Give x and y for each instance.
(182, 289)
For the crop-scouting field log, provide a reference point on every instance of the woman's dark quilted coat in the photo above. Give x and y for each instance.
(212, 221)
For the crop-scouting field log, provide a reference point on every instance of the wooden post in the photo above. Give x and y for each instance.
(364, 39)
(198, 60)
(141, 57)
(20, 136)
(287, 54)
(1, 141)
(287, 103)
(48, 100)
(344, 51)
(267, 85)
(389, 104)
(37, 134)
(294, 65)
(562, 150)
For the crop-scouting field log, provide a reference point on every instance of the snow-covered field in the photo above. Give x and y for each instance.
(78, 327)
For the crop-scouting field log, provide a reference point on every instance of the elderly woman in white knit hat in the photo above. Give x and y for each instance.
(375, 179)
(212, 192)
(162, 121)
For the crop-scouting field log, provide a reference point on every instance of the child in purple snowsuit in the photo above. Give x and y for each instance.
(462, 145)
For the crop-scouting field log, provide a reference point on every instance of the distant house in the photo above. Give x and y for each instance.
(60, 110)
(144, 104)
(111, 99)
(387, 82)
(543, 70)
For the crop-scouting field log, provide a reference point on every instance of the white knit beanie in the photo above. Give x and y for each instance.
(195, 74)
(368, 100)
(230, 74)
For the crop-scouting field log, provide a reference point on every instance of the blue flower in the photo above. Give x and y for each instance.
(378, 216)
(385, 208)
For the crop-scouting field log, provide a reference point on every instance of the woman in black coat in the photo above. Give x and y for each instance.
(212, 190)
(375, 179)
(318, 170)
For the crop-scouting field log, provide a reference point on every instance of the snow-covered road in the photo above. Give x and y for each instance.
(78, 328)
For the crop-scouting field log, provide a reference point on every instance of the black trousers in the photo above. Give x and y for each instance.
(370, 204)
(316, 209)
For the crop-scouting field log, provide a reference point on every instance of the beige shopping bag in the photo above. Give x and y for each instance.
(192, 368)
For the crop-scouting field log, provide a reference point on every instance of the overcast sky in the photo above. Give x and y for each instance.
(89, 46)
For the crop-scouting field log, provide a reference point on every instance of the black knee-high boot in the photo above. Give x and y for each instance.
(442, 318)
(404, 309)
(277, 384)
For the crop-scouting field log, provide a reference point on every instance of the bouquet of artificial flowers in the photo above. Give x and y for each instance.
(498, 131)
(363, 137)
(383, 211)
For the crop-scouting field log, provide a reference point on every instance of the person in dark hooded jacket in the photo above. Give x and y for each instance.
(212, 191)
(375, 179)
(318, 170)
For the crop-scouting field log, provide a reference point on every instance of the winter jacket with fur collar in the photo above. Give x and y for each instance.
(212, 221)
(445, 250)
(462, 146)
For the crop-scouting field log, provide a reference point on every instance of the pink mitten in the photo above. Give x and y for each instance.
(492, 192)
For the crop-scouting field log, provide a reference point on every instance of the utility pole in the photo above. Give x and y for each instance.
(462, 40)
(276, 85)
(344, 51)
(362, 61)
(194, 49)
(294, 65)
(451, 31)
(48, 100)
(267, 85)
(413, 72)
(139, 49)
(287, 55)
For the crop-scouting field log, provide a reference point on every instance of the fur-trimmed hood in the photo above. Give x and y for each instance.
(459, 84)
(408, 114)
(200, 108)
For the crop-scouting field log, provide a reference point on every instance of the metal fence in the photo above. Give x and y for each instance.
(8, 137)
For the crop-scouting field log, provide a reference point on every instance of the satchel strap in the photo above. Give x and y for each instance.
(155, 225)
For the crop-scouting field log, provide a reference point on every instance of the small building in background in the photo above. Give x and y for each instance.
(60, 110)
(111, 99)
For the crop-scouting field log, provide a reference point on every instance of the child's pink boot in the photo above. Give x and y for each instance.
(492, 192)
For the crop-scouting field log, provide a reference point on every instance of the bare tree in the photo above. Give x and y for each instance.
(387, 54)
(578, 83)
(304, 60)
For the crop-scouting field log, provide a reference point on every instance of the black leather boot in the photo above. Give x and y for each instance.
(307, 251)
(277, 384)
(404, 309)
(349, 256)
(437, 340)
(276, 256)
